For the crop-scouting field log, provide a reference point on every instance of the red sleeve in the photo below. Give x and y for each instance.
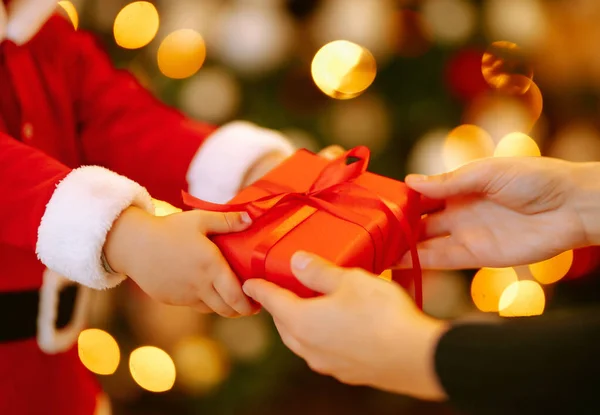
(28, 178)
(62, 214)
(124, 128)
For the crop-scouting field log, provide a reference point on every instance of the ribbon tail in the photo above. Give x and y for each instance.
(416, 272)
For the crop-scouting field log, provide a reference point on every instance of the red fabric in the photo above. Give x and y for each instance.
(338, 211)
(66, 106)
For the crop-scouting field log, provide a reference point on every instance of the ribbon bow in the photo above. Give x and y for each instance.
(334, 192)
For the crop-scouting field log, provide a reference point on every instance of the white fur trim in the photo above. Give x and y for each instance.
(50, 339)
(218, 168)
(77, 219)
(24, 18)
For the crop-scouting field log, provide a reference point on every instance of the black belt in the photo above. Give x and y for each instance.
(19, 312)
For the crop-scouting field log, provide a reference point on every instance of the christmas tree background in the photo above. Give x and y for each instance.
(429, 81)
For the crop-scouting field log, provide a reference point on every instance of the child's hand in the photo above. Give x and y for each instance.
(173, 261)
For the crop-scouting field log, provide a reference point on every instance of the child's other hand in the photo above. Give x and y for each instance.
(173, 261)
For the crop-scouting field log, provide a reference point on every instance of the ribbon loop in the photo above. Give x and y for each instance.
(334, 192)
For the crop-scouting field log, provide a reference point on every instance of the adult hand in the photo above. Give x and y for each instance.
(363, 331)
(508, 211)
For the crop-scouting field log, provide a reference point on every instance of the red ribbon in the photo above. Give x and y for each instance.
(333, 191)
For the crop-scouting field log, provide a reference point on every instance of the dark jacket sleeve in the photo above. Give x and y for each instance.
(538, 365)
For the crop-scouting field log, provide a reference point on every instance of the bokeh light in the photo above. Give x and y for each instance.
(500, 114)
(466, 143)
(517, 145)
(162, 208)
(251, 37)
(212, 95)
(445, 294)
(489, 284)
(362, 121)
(578, 142)
(201, 364)
(520, 21)
(553, 269)
(522, 299)
(372, 24)
(71, 12)
(181, 54)
(98, 351)
(427, 155)
(246, 339)
(152, 369)
(451, 21)
(136, 25)
(386, 275)
(506, 69)
(159, 324)
(343, 69)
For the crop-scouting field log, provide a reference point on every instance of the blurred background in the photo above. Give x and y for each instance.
(427, 85)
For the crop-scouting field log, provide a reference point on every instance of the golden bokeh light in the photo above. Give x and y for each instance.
(505, 68)
(152, 368)
(386, 275)
(522, 299)
(71, 11)
(98, 351)
(489, 284)
(553, 269)
(162, 208)
(136, 25)
(343, 70)
(517, 145)
(201, 363)
(181, 54)
(466, 143)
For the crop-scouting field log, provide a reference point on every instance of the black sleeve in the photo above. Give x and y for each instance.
(538, 365)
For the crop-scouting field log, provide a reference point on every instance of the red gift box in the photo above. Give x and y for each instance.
(335, 209)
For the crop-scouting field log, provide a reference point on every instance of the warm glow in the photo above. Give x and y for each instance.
(245, 339)
(162, 208)
(517, 145)
(505, 68)
(489, 284)
(520, 21)
(71, 11)
(466, 143)
(553, 269)
(136, 25)
(500, 114)
(181, 54)
(522, 298)
(451, 21)
(201, 363)
(152, 369)
(386, 275)
(98, 351)
(343, 69)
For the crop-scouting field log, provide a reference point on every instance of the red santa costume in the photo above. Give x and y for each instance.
(65, 111)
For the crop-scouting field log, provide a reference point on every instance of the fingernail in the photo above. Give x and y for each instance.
(300, 260)
(245, 217)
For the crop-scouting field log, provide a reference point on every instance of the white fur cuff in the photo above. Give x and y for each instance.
(218, 168)
(77, 219)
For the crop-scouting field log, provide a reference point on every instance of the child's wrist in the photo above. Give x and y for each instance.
(122, 240)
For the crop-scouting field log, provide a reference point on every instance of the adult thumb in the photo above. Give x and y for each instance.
(220, 222)
(474, 177)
